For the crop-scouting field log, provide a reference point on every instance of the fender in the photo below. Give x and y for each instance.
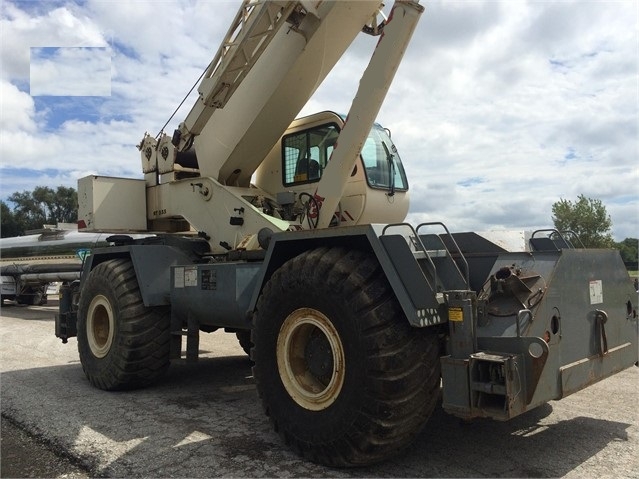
(152, 264)
(415, 293)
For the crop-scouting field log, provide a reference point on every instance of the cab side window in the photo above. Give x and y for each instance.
(305, 154)
(384, 168)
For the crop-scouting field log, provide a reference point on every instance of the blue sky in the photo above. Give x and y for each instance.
(498, 110)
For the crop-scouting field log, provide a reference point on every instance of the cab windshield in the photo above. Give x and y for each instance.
(382, 163)
(305, 155)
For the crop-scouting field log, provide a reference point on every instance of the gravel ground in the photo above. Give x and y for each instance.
(204, 420)
(24, 455)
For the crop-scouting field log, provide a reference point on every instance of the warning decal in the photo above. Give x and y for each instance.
(178, 280)
(190, 276)
(596, 292)
(455, 314)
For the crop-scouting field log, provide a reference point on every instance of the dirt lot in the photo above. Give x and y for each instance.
(204, 420)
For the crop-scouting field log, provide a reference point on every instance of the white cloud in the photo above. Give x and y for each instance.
(17, 111)
(64, 71)
(66, 26)
(498, 110)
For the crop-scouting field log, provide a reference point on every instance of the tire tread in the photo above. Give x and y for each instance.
(140, 352)
(402, 374)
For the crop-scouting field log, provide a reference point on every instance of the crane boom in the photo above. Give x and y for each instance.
(366, 104)
(273, 58)
(252, 30)
(248, 99)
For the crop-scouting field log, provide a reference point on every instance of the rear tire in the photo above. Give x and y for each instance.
(32, 296)
(122, 343)
(343, 377)
(244, 338)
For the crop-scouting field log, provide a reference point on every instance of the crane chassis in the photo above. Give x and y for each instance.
(355, 320)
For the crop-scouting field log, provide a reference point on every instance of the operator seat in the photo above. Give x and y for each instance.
(301, 168)
(313, 170)
(309, 168)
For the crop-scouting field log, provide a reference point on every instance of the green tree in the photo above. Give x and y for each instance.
(44, 205)
(63, 204)
(9, 226)
(587, 217)
(27, 212)
(629, 250)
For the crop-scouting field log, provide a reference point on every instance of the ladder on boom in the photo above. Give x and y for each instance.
(254, 26)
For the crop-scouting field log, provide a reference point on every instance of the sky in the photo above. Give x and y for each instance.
(498, 110)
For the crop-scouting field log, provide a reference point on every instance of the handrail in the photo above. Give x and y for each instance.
(559, 234)
(461, 255)
(418, 244)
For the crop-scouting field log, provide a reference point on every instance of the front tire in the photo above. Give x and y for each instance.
(343, 377)
(122, 343)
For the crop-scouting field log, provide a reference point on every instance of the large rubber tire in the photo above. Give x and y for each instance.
(343, 377)
(122, 343)
(32, 296)
(244, 338)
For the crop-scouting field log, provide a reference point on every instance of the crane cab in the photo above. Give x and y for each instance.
(377, 190)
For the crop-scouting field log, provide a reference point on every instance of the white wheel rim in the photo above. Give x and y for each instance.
(100, 326)
(298, 340)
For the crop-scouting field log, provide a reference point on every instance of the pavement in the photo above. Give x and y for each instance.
(204, 420)
(24, 455)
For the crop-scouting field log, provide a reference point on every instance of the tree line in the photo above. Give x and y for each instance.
(586, 217)
(33, 209)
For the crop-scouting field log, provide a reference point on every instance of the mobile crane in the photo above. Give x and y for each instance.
(269, 227)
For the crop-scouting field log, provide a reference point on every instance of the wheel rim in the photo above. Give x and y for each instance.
(310, 359)
(100, 326)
